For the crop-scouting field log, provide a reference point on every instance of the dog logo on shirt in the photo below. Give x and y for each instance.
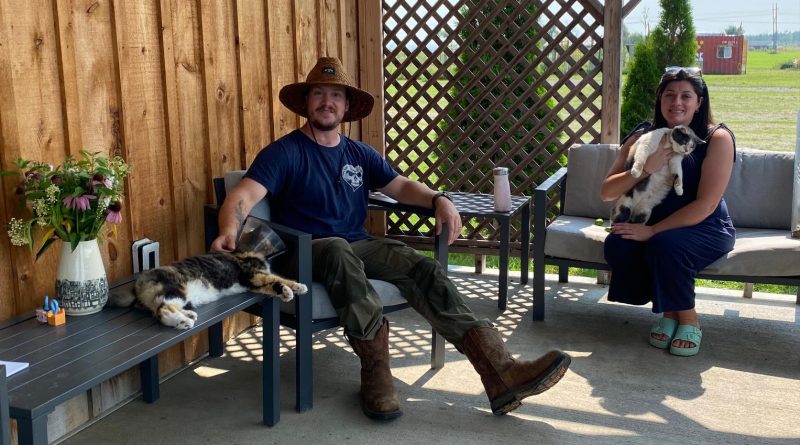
(353, 175)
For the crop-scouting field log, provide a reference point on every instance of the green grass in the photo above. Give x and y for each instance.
(761, 105)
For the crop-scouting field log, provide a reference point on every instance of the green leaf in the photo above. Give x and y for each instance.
(44, 247)
(74, 240)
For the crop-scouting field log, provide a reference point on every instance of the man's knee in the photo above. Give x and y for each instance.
(334, 251)
(427, 267)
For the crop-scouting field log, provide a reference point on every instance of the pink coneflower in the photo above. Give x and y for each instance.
(100, 178)
(114, 215)
(80, 203)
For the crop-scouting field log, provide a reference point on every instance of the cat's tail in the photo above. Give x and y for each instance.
(122, 296)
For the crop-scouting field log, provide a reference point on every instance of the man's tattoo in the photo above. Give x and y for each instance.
(240, 212)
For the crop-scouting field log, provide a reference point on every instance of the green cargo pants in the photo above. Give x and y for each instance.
(343, 268)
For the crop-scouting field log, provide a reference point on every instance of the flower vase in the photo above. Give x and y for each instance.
(81, 284)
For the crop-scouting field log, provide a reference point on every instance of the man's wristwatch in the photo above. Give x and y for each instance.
(440, 195)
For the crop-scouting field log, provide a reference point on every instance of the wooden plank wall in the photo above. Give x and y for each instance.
(184, 90)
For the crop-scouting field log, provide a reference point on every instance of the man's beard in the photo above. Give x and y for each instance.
(323, 127)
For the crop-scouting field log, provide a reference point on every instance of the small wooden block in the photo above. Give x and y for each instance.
(56, 319)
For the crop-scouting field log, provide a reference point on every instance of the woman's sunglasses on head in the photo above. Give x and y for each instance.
(687, 69)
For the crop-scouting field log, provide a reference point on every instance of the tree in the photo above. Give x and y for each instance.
(672, 42)
(674, 37)
(637, 100)
(734, 30)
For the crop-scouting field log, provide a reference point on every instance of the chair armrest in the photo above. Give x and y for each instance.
(540, 211)
(540, 196)
(298, 245)
(379, 201)
(210, 215)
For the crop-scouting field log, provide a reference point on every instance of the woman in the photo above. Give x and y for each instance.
(658, 261)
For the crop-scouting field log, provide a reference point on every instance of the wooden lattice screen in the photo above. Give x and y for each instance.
(474, 84)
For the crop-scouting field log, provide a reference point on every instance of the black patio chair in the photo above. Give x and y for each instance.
(312, 312)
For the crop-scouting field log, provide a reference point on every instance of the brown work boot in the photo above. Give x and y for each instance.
(507, 381)
(378, 396)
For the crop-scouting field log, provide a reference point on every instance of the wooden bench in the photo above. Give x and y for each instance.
(759, 198)
(70, 359)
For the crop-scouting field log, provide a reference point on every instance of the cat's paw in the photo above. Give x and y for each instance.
(636, 171)
(678, 188)
(187, 323)
(286, 294)
(177, 320)
(299, 288)
(190, 314)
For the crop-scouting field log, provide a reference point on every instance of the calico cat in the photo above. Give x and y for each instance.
(638, 203)
(170, 292)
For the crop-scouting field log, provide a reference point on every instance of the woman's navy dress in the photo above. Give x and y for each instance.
(663, 268)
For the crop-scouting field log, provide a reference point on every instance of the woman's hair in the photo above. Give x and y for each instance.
(703, 117)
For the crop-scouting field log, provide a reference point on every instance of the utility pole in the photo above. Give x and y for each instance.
(775, 28)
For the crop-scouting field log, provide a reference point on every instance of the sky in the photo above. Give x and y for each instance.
(713, 16)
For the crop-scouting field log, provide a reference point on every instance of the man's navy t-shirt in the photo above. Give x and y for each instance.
(320, 190)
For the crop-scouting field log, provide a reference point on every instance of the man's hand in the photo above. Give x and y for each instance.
(446, 213)
(224, 243)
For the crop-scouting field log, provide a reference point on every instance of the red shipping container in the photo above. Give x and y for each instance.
(721, 54)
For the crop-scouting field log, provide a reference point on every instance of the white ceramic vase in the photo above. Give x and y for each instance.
(81, 283)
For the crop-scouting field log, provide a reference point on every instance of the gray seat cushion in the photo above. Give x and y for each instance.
(764, 252)
(576, 238)
(321, 306)
(757, 252)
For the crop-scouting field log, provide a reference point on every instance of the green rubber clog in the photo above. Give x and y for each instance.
(687, 332)
(665, 326)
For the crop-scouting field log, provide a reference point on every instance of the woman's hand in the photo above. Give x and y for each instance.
(658, 160)
(636, 232)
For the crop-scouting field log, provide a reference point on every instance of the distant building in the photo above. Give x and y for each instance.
(759, 44)
(721, 54)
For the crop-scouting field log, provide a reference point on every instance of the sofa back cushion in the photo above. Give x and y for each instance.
(587, 166)
(759, 193)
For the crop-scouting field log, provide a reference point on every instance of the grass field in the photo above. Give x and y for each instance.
(761, 105)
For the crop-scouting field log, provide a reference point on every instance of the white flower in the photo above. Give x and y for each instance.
(17, 232)
(52, 194)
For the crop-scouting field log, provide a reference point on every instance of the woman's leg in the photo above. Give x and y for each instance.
(630, 276)
(675, 258)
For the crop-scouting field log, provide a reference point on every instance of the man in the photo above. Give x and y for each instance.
(319, 182)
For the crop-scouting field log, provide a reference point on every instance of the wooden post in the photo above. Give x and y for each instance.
(612, 72)
(370, 70)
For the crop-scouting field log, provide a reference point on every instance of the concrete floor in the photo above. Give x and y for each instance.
(743, 388)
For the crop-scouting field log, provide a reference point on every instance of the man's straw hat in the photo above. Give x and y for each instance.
(328, 71)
